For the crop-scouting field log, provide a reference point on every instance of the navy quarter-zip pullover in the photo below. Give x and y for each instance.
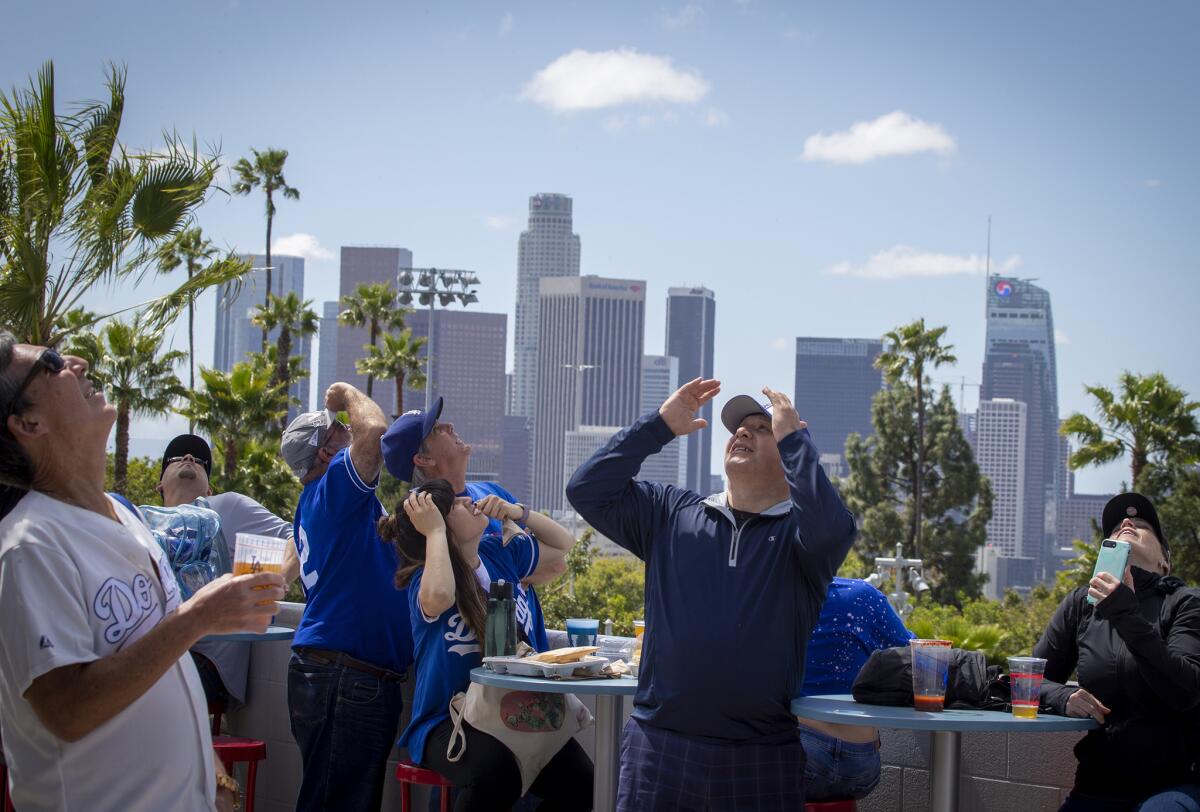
(729, 610)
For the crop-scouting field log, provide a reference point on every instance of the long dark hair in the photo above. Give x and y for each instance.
(410, 545)
(16, 469)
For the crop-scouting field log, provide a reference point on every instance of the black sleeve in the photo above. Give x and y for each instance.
(1170, 666)
(1059, 646)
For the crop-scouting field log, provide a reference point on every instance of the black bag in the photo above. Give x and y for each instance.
(886, 679)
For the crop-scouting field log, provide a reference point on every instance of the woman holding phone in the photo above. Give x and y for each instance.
(1137, 655)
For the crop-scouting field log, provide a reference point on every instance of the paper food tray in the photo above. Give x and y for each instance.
(528, 667)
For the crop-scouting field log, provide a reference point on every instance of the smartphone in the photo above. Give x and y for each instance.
(1113, 558)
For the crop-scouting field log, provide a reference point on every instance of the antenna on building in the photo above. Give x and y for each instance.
(989, 247)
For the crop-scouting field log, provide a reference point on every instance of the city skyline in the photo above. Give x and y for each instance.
(824, 172)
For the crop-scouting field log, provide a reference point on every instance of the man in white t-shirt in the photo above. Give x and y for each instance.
(184, 480)
(100, 706)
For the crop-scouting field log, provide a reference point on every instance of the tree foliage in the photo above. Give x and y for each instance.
(294, 319)
(376, 307)
(141, 480)
(957, 499)
(399, 358)
(604, 588)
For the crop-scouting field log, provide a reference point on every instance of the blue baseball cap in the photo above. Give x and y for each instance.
(403, 439)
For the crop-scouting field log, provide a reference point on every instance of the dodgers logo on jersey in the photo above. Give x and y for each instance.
(125, 606)
(460, 631)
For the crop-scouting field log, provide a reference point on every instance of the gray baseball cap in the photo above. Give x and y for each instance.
(303, 437)
(739, 408)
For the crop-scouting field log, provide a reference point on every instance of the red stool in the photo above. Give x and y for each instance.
(408, 774)
(234, 749)
(847, 805)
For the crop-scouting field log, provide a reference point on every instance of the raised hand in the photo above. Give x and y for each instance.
(337, 396)
(423, 513)
(679, 410)
(241, 603)
(784, 417)
(494, 507)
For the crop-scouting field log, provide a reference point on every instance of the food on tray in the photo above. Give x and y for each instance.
(572, 654)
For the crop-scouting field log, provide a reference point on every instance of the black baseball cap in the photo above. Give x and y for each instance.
(188, 444)
(1131, 505)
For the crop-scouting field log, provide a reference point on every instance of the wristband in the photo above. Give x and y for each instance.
(524, 514)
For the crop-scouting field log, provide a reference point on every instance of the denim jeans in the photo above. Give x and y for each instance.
(835, 769)
(345, 722)
(1182, 798)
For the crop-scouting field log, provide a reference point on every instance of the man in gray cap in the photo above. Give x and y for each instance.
(354, 644)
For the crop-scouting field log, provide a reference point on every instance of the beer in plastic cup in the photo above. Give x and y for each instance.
(1025, 683)
(252, 553)
(930, 671)
(639, 631)
(582, 631)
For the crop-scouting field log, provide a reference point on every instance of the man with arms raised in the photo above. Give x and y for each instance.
(739, 578)
(101, 705)
(187, 498)
(354, 643)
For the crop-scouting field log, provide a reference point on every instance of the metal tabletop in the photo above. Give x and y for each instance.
(272, 633)
(842, 709)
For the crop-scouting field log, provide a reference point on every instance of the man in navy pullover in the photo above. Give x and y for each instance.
(734, 586)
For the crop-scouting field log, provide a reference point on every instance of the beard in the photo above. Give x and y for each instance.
(187, 472)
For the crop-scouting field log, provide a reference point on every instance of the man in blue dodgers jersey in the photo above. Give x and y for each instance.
(419, 447)
(354, 643)
(738, 577)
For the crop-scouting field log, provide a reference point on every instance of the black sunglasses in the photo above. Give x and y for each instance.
(49, 361)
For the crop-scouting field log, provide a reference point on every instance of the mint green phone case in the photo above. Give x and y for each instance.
(1114, 556)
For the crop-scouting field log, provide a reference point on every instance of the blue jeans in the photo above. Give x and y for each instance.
(345, 723)
(835, 769)
(1181, 798)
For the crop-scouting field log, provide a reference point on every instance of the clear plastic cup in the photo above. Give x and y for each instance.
(582, 631)
(639, 631)
(1025, 683)
(930, 671)
(252, 553)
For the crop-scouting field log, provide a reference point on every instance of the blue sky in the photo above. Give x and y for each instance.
(826, 169)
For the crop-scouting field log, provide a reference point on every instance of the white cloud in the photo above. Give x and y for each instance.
(716, 117)
(301, 245)
(779, 344)
(1152, 183)
(673, 21)
(906, 262)
(896, 133)
(497, 222)
(592, 80)
(1060, 337)
(506, 25)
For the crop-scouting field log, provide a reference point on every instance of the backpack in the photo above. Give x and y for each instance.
(886, 679)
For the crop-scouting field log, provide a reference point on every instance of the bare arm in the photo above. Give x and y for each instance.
(554, 540)
(73, 700)
(291, 564)
(367, 425)
(437, 593)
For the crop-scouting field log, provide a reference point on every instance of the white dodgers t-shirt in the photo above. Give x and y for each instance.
(74, 587)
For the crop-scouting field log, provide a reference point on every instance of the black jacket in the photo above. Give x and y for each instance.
(1138, 652)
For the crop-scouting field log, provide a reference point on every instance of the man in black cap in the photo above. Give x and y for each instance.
(192, 513)
(1137, 656)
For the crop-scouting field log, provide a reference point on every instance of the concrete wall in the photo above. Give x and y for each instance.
(1025, 771)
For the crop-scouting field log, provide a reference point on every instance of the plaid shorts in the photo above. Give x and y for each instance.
(661, 770)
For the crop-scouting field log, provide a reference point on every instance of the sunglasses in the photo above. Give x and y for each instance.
(203, 463)
(49, 361)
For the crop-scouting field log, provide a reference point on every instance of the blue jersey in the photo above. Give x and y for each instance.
(526, 595)
(856, 619)
(446, 648)
(348, 572)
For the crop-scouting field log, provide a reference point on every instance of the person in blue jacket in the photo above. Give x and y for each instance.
(734, 585)
(856, 619)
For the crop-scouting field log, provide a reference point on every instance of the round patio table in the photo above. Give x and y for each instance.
(272, 633)
(947, 727)
(608, 693)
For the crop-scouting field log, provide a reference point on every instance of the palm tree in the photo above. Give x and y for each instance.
(235, 407)
(293, 318)
(190, 249)
(377, 308)
(910, 353)
(1150, 419)
(78, 209)
(399, 359)
(266, 171)
(138, 378)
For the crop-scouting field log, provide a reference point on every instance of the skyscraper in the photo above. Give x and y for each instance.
(1002, 429)
(548, 248)
(1019, 363)
(365, 265)
(327, 351)
(836, 380)
(589, 367)
(468, 371)
(691, 330)
(660, 377)
(516, 461)
(236, 335)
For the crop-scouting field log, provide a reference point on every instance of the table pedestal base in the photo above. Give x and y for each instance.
(608, 751)
(943, 772)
